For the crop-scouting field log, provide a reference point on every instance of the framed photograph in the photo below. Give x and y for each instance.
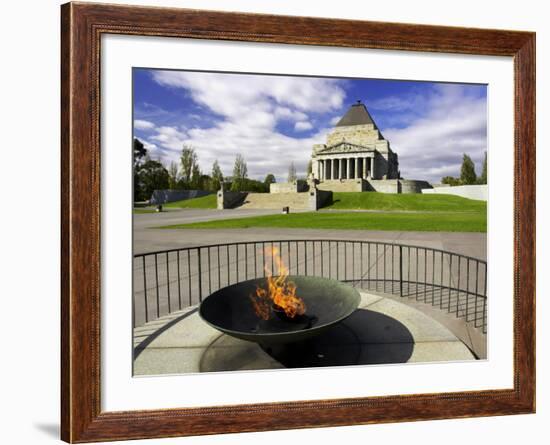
(275, 222)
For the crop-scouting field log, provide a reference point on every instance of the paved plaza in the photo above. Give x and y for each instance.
(381, 331)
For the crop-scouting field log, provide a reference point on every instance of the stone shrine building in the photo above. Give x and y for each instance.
(357, 157)
(355, 149)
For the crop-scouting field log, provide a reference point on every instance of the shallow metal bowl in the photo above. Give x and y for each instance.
(327, 301)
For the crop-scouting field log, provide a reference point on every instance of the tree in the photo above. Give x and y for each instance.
(240, 173)
(188, 161)
(196, 177)
(450, 180)
(252, 185)
(467, 171)
(270, 179)
(173, 173)
(139, 151)
(483, 177)
(151, 176)
(217, 176)
(204, 182)
(291, 173)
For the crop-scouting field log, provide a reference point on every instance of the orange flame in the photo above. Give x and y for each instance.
(280, 292)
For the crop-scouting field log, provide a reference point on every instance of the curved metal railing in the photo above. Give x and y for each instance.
(170, 280)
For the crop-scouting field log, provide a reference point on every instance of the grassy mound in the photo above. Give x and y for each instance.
(408, 202)
(204, 202)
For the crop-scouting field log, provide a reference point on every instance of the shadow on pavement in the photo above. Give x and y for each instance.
(364, 338)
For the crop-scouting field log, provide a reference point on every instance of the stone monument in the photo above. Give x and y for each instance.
(357, 158)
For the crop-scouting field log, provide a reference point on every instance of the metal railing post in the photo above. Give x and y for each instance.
(157, 285)
(400, 271)
(200, 272)
(145, 290)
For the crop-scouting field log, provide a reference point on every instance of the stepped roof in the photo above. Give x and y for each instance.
(356, 115)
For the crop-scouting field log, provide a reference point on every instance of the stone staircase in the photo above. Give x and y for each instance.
(296, 201)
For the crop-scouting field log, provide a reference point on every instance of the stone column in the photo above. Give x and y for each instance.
(357, 172)
(340, 162)
(372, 165)
(318, 170)
(346, 162)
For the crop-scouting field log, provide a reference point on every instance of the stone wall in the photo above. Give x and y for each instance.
(375, 185)
(413, 186)
(379, 166)
(354, 134)
(479, 192)
(398, 185)
(228, 199)
(319, 198)
(296, 201)
(344, 185)
(164, 196)
(297, 186)
(383, 185)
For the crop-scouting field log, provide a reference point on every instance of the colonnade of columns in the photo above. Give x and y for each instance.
(345, 168)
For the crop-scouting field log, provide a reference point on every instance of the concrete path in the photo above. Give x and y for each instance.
(381, 331)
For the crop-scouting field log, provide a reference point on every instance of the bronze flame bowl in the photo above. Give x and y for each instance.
(327, 301)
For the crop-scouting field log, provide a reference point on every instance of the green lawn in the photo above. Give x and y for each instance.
(414, 202)
(421, 221)
(204, 202)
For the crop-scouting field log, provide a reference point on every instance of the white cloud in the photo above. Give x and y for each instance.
(235, 95)
(169, 137)
(432, 146)
(250, 108)
(288, 114)
(303, 126)
(264, 150)
(141, 124)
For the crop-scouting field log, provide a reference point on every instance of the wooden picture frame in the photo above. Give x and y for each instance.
(82, 26)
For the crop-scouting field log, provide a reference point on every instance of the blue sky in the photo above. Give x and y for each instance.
(275, 120)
